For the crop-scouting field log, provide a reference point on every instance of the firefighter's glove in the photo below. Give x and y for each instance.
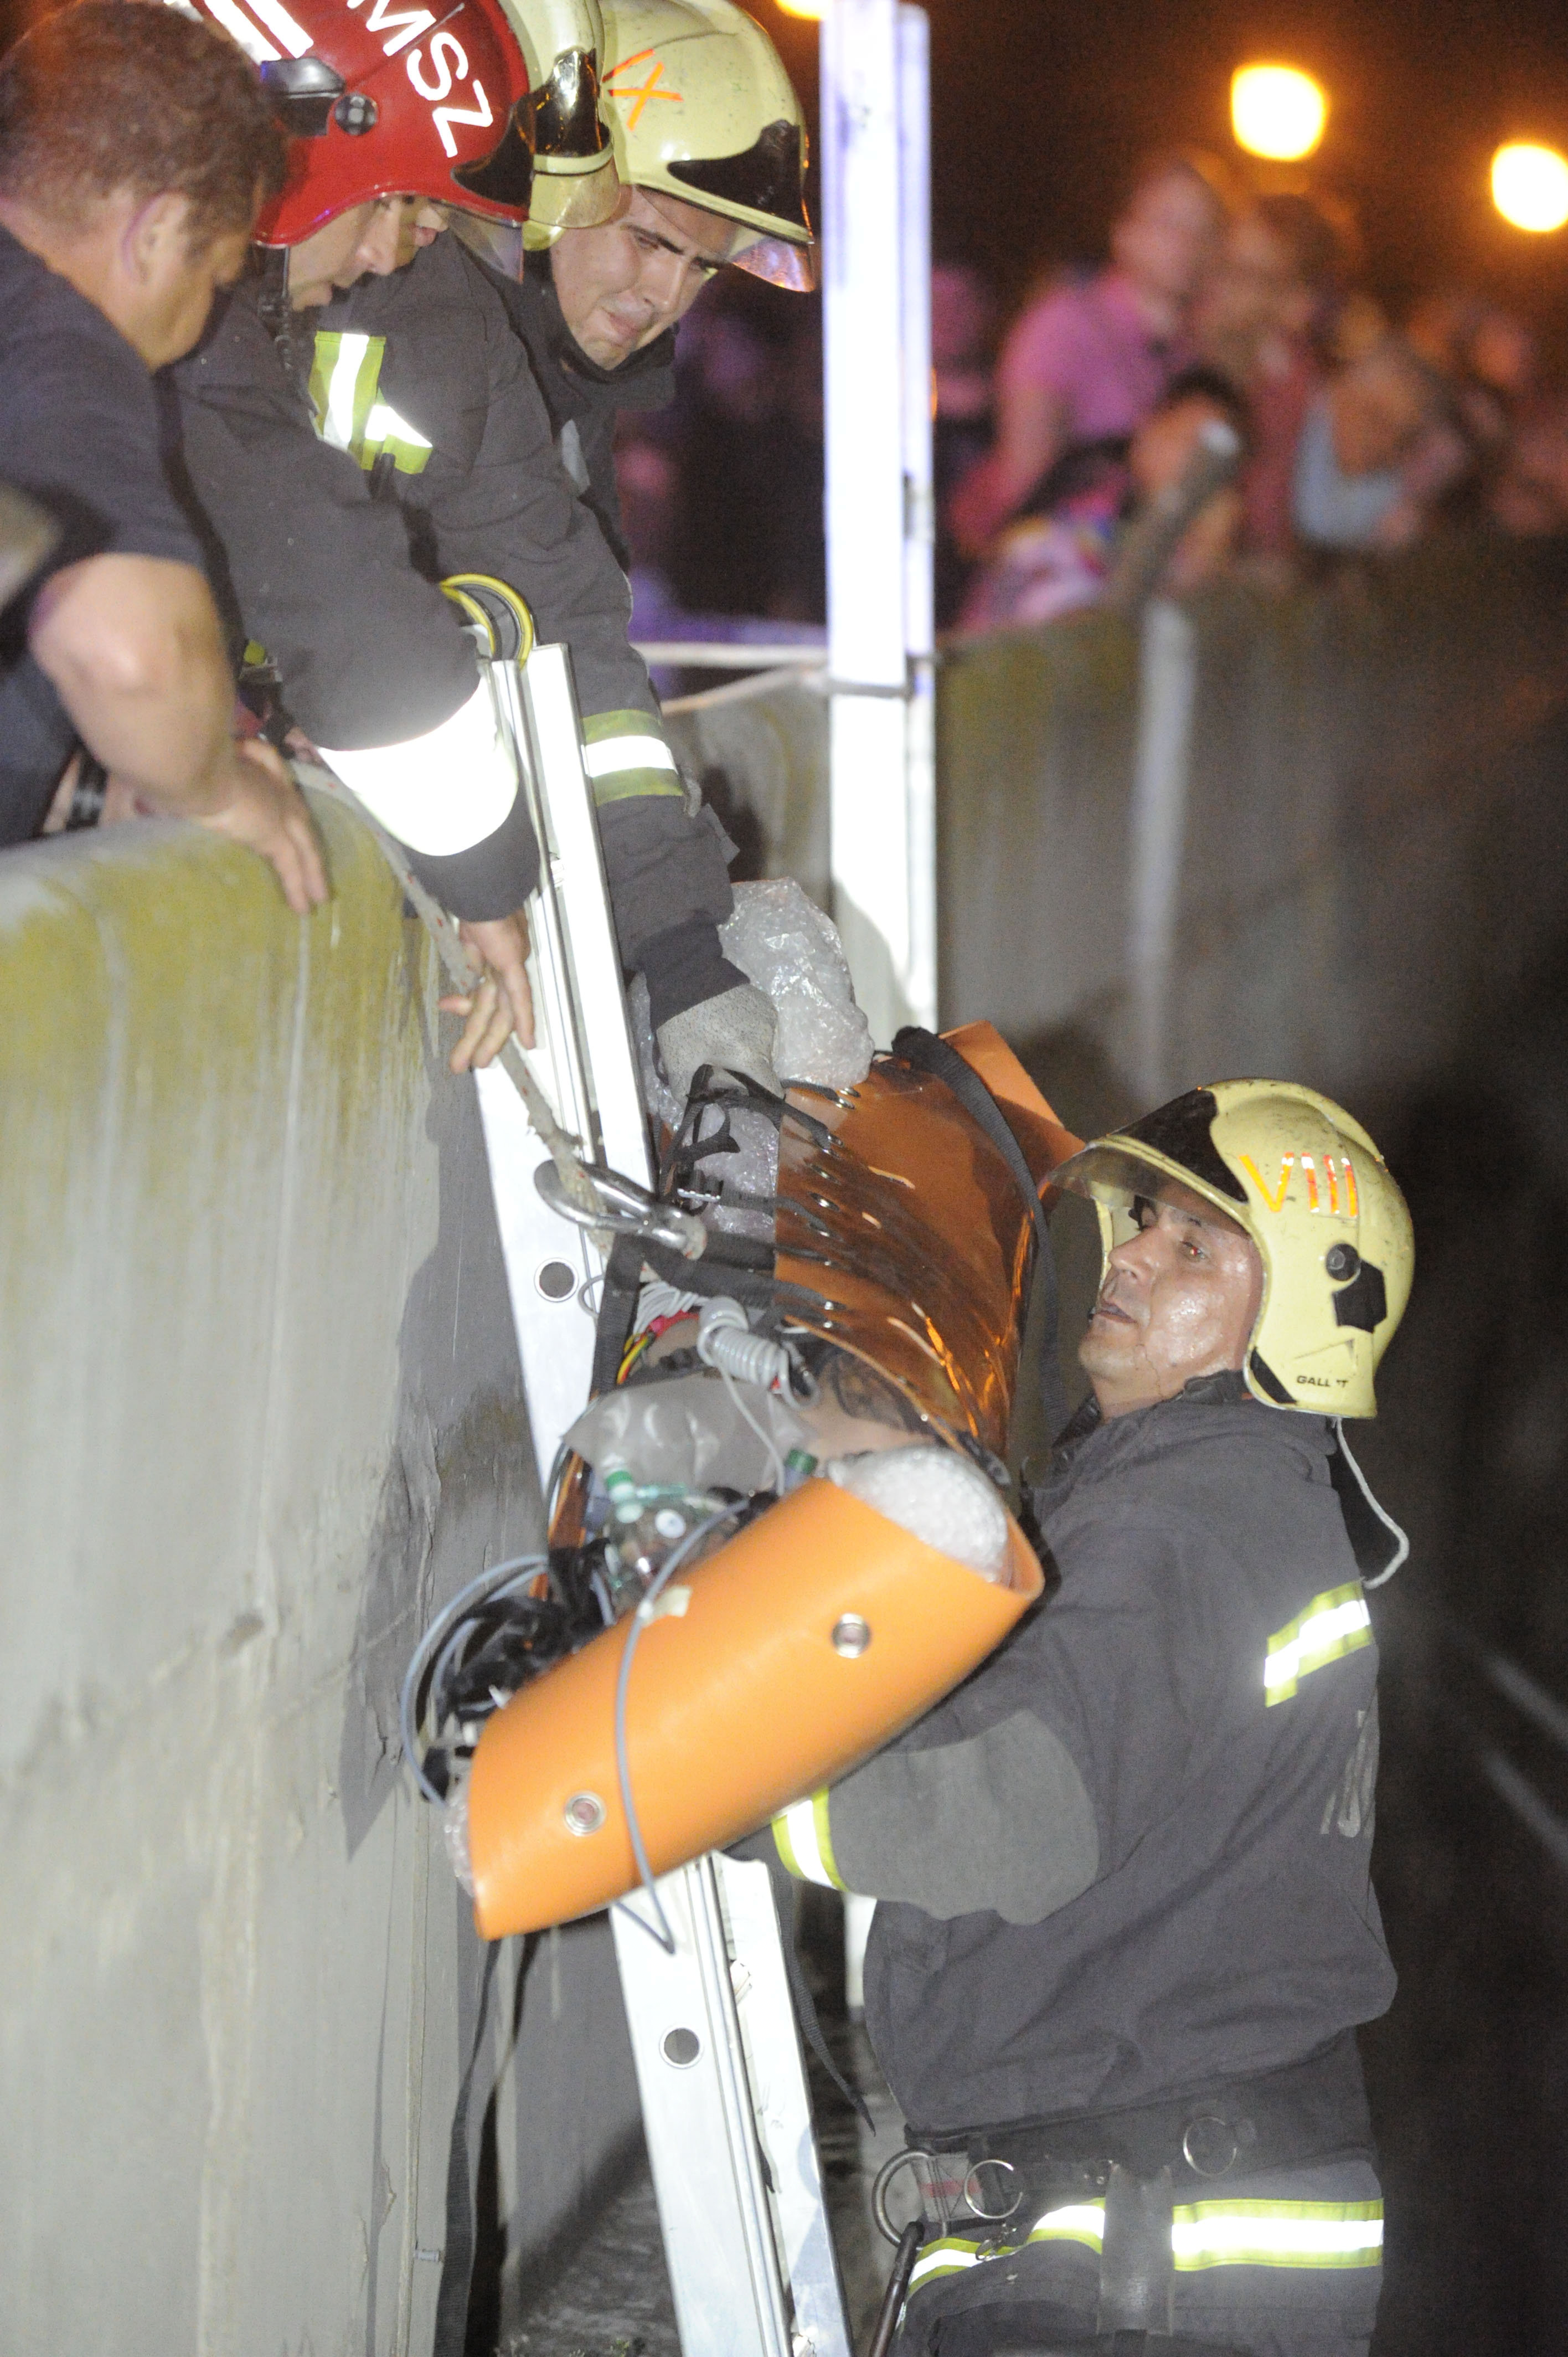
(734, 1031)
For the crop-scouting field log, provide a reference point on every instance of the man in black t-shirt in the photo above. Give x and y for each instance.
(135, 147)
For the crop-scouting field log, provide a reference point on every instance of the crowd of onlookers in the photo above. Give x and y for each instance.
(1218, 322)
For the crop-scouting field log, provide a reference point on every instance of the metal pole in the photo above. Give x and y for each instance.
(876, 342)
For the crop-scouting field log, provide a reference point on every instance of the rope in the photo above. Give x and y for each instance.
(564, 1150)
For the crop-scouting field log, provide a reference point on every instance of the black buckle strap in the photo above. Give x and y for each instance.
(928, 1053)
(1310, 2110)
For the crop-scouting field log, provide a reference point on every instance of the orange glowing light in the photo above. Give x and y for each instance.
(1530, 186)
(1277, 111)
(802, 8)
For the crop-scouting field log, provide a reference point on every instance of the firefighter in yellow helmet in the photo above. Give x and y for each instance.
(709, 142)
(1125, 1929)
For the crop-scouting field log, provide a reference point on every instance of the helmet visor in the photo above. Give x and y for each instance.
(779, 261)
(504, 177)
(768, 177)
(1117, 1174)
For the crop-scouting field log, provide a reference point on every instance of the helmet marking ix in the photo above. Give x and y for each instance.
(1308, 1186)
(701, 110)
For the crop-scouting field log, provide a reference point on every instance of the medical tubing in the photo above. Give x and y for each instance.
(435, 1637)
(644, 1613)
(725, 1340)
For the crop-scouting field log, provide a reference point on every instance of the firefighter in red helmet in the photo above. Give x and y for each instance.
(343, 461)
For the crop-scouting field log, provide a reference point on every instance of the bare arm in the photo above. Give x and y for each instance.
(1029, 439)
(133, 648)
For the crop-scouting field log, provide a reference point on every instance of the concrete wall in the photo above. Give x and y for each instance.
(260, 1412)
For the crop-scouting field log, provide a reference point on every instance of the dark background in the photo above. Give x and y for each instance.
(1040, 106)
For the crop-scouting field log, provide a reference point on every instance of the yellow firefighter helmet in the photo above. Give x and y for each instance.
(1309, 1187)
(700, 108)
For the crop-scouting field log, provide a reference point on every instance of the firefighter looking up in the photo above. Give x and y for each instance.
(133, 150)
(1126, 1928)
(344, 469)
(711, 141)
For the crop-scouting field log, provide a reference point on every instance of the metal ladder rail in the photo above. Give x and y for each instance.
(720, 2072)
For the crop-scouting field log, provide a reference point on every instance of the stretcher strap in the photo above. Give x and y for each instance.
(928, 1053)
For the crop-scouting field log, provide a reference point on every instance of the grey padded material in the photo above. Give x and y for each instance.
(735, 1030)
(999, 1821)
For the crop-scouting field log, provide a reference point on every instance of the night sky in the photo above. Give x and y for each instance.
(1039, 106)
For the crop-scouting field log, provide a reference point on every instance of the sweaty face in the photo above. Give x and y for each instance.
(622, 285)
(1178, 1299)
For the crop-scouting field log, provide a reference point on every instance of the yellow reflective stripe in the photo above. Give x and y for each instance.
(1203, 2235)
(804, 1843)
(625, 757)
(1333, 1624)
(786, 1848)
(345, 371)
(1278, 2235)
(617, 753)
(385, 431)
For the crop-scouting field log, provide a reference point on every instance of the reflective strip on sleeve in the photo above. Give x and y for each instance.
(440, 793)
(1332, 1624)
(804, 1841)
(1203, 2235)
(625, 756)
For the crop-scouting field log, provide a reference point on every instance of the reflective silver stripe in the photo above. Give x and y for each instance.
(806, 1846)
(384, 425)
(1333, 1624)
(1278, 2235)
(1203, 2235)
(614, 754)
(337, 419)
(440, 793)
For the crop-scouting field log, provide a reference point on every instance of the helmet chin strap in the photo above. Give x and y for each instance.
(1401, 1542)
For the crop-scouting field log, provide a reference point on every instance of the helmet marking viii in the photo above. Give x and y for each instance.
(385, 100)
(701, 110)
(1306, 1183)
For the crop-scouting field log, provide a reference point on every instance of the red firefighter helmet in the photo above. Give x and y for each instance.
(386, 98)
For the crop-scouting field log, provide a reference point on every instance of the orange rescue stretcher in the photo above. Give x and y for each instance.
(822, 1627)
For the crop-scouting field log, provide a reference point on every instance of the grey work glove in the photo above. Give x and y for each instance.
(736, 1031)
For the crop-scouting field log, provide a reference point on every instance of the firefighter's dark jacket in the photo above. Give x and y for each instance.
(338, 584)
(1129, 1857)
(583, 399)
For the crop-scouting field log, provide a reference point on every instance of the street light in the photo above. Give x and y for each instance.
(1530, 185)
(801, 8)
(1277, 111)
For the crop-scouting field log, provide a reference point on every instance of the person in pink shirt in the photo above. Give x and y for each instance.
(1087, 361)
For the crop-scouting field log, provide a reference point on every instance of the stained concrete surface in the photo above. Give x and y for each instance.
(604, 2291)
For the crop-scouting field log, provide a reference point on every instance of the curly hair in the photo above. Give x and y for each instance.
(111, 94)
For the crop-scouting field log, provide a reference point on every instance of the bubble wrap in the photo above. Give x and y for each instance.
(782, 941)
(937, 1496)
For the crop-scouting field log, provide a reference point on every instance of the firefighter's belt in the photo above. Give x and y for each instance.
(1314, 2110)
